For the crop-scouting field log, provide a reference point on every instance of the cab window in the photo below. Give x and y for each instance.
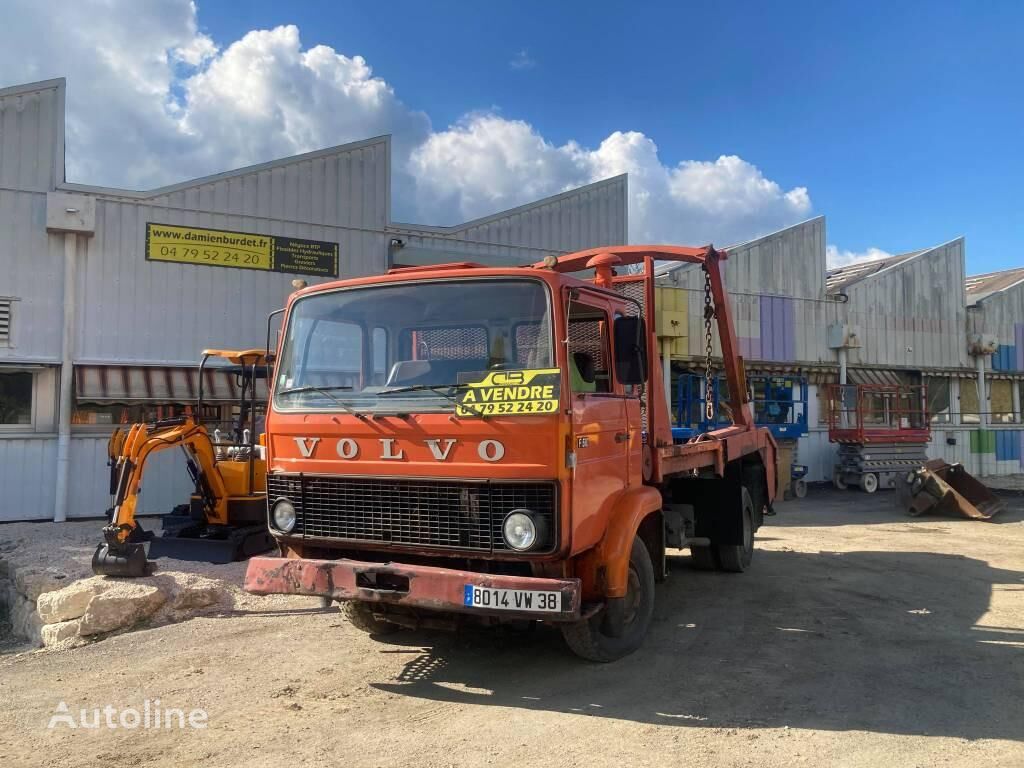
(589, 366)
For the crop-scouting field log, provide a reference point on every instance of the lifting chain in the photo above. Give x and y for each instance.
(709, 315)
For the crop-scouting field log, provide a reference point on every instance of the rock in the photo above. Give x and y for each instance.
(121, 605)
(52, 634)
(32, 582)
(25, 622)
(71, 601)
(197, 592)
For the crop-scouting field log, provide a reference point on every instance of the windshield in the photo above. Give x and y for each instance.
(348, 349)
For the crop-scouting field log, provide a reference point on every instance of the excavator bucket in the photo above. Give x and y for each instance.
(941, 488)
(126, 560)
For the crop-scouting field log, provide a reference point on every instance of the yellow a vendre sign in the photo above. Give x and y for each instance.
(240, 250)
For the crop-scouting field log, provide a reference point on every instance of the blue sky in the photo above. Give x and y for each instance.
(900, 122)
(903, 120)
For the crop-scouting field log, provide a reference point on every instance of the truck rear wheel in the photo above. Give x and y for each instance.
(361, 616)
(737, 557)
(703, 558)
(590, 640)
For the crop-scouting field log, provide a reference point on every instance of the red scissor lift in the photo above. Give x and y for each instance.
(882, 431)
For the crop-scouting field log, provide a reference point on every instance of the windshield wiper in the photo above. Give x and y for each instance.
(323, 391)
(444, 390)
(421, 388)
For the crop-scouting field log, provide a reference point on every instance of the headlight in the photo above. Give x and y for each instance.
(284, 515)
(521, 530)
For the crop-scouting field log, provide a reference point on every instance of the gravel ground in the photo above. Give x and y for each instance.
(68, 548)
(860, 638)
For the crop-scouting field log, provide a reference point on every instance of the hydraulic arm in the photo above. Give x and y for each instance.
(123, 537)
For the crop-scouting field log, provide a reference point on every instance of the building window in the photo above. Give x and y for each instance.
(1000, 393)
(16, 399)
(970, 412)
(938, 399)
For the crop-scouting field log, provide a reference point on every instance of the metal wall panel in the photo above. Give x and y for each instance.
(31, 272)
(587, 217)
(1002, 314)
(913, 314)
(26, 477)
(818, 454)
(31, 136)
(134, 310)
(784, 272)
(165, 484)
(790, 262)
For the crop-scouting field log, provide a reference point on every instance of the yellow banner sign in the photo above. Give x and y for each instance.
(240, 250)
(512, 393)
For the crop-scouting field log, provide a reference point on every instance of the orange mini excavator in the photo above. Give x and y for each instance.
(226, 517)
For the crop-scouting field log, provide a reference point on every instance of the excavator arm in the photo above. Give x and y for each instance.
(122, 552)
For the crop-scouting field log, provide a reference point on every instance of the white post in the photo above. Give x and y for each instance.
(844, 418)
(983, 405)
(954, 399)
(60, 508)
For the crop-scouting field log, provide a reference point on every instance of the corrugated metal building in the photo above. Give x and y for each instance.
(80, 295)
(916, 318)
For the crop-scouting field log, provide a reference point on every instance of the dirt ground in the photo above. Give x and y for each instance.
(861, 637)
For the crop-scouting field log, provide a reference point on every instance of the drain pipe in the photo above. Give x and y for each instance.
(983, 418)
(70, 215)
(67, 372)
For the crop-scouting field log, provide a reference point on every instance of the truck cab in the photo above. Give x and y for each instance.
(460, 442)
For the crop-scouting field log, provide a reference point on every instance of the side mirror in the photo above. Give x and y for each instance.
(630, 349)
(272, 350)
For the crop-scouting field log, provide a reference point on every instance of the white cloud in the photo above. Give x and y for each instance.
(153, 100)
(265, 97)
(837, 258)
(522, 60)
(486, 163)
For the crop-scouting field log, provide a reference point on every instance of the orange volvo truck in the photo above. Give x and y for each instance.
(457, 441)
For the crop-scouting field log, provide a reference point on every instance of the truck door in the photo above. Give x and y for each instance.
(600, 431)
(635, 419)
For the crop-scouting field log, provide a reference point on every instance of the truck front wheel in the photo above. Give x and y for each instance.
(360, 615)
(591, 638)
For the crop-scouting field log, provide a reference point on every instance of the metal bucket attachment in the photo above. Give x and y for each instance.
(941, 488)
(125, 560)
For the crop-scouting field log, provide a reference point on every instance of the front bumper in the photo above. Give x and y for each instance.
(414, 586)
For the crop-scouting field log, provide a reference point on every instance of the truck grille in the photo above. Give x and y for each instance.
(429, 513)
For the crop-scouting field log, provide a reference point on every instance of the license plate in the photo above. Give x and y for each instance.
(534, 600)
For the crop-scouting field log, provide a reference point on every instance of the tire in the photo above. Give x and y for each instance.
(838, 481)
(703, 558)
(361, 617)
(736, 558)
(588, 640)
(800, 488)
(869, 482)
